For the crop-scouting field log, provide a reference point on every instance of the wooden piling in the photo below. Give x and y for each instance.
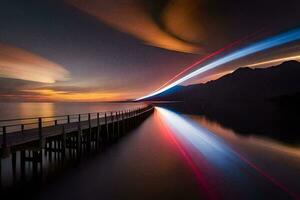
(22, 128)
(78, 137)
(0, 173)
(89, 133)
(106, 125)
(118, 124)
(13, 164)
(98, 131)
(4, 139)
(64, 137)
(112, 125)
(22, 164)
(40, 124)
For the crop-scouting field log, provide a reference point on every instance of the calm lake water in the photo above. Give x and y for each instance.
(175, 156)
(23, 110)
(183, 156)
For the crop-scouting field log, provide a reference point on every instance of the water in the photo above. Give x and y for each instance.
(23, 110)
(173, 155)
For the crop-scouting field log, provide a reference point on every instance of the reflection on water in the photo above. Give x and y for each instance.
(24, 110)
(264, 119)
(35, 109)
(235, 166)
(254, 140)
(179, 156)
(143, 165)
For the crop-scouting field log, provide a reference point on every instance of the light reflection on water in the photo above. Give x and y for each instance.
(253, 165)
(33, 110)
(253, 140)
(27, 109)
(170, 153)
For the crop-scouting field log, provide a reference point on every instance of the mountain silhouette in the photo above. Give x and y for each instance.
(244, 84)
(262, 101)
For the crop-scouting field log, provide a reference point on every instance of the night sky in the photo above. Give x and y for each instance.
(100, 50)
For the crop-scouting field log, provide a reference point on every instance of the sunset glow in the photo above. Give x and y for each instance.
(275, 61)
(18, 64)
(128, 49)
(52, 95)
(150, 99)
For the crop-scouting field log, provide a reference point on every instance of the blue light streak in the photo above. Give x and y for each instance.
(274, 41)
(203, 140)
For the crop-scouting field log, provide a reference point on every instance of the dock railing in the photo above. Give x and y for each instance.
(25, 125)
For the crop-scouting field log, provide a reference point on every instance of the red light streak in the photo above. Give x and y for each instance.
(201, 180)
(215, 53)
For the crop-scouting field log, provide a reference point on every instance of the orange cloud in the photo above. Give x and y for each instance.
(131, 17)
(181, 18)
(19, 64)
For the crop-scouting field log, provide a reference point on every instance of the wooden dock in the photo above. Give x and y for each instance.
(75, 133)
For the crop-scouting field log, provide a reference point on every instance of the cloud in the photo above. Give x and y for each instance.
(181, 19)
(132, 17)
(22, 90)
(16, 63)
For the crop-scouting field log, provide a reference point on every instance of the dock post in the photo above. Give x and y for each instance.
(13, 163)
(98, 131)
(0, 174)
(129, 119)
(78, 137)
(139, 117)
(55, 149)
(22, 128)
(126, 120)
(41, 162)
(40, 132)
(50, 150)
(106, 127)
(63, 142)
(89, 133)
(123, 127)
(118, 123)
(68, 119)
(4, 141)
(112, 125)
(35, 157)
(22, 162)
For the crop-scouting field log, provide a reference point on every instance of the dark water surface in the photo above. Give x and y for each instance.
(173, 156)
(144, 165)
(184, 156)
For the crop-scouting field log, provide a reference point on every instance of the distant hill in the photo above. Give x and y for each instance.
(244, 84)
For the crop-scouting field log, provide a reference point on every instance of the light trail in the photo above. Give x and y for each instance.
(215, 53)
(274, 41)
(275, 61)
(207, 57)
